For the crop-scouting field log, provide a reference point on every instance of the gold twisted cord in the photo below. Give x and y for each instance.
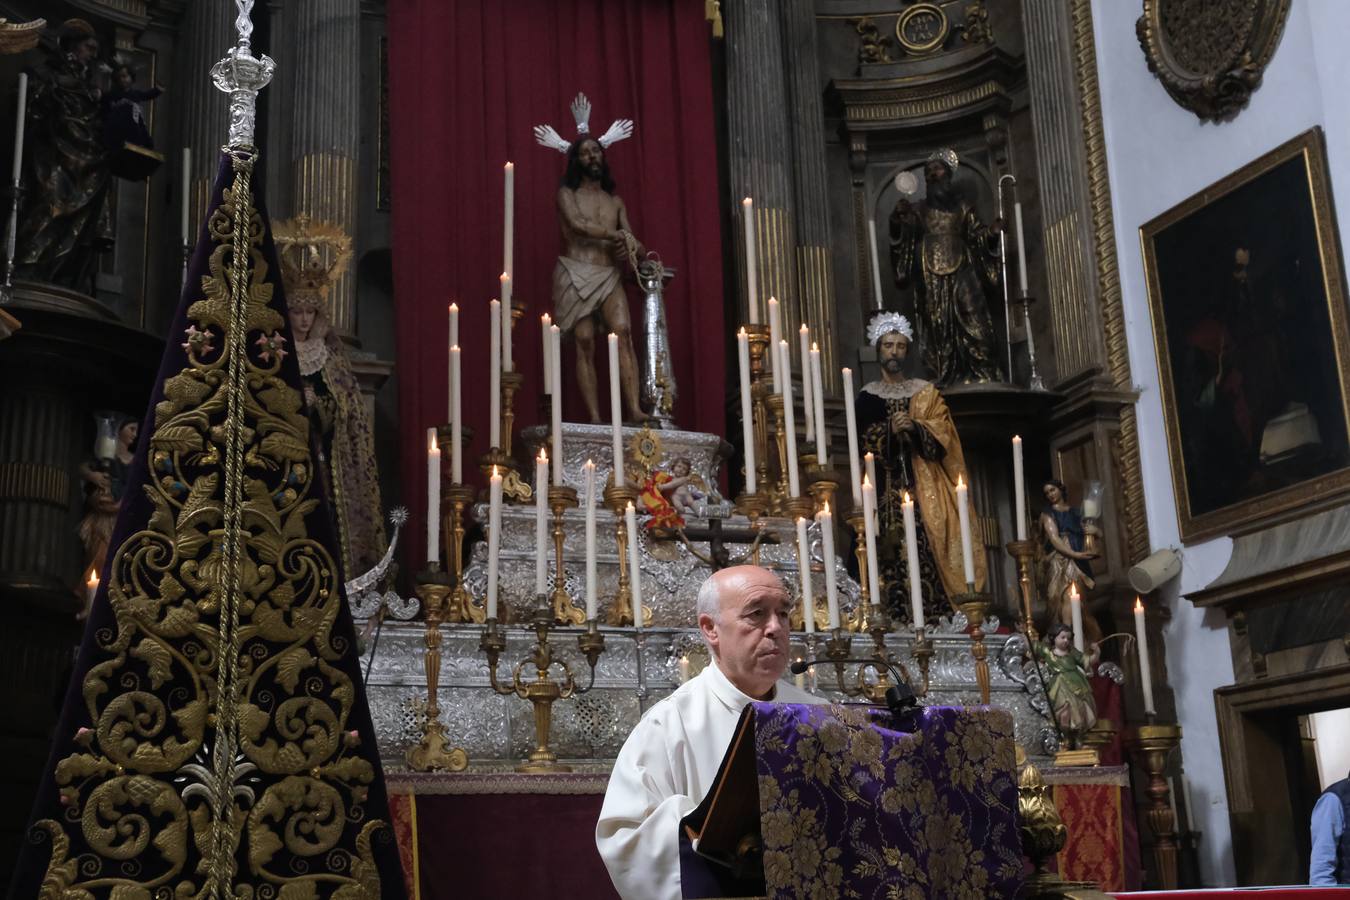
(222, 853)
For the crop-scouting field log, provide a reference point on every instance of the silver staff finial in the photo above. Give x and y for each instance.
(242, 75)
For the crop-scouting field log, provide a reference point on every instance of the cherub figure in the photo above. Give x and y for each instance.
(667, 495)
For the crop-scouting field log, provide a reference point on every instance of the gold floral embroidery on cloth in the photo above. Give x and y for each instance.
(151, 805)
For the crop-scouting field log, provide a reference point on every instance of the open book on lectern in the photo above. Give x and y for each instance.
(725, 826)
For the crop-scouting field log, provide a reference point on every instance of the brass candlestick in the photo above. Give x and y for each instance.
(975, 606)
(621, 611)
(1043, 835)
(433, 752)
(758, 338)
(542, 691)
(462, 606)
(823, 485)
(1151, 745)
(923, 653)
(560, 499)
(1025, 552)
(858, 620)
(752, 506)
(512, 487)
(511, 382)
(773, 406)
(839, 649)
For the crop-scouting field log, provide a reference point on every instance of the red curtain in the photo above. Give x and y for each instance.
(468, 79)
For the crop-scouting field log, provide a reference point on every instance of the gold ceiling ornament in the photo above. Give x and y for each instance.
(312, 255)
(1210, 55)
(17, 37)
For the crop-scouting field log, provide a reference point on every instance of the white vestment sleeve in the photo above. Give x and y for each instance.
(638, 831)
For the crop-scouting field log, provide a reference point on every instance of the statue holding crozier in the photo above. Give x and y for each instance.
(905, 424)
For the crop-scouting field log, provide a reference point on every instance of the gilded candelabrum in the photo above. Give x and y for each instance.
(975, 606)
(1025, 552)
(1152, 745)
(859, 619)
(433, 752)
(512, 487)
(752, 506)
(462, 606)
(561, 498)
(760, 388)
(621, 610)
(839, 649)
(511, 382)
(542, 690)
(923, 654)
(822, 483)
(777, 430)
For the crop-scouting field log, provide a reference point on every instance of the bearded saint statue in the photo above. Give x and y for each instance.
(943, 246)
(312, 257)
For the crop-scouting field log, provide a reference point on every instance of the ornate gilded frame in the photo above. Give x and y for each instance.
(1314, 491)
(1210, 56)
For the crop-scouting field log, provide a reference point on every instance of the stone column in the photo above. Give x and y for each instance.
(761, 147)
(325, 51)
(806, 137)
(206, 33)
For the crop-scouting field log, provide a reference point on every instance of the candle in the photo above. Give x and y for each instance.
(870, 466)
(963, 510)
(912, 563)
(634, 563)
(545, 322)
(20, 113)
(799, 679)
(789, 425)
(450, 364)
(751, 273)
(804, 573)
(870, 537)
(782, 368)
(827, 541)
(540, 522)
(494, 539)
(747, 413)
(555, 364)
(495, 375)
(433, 499)
(684, 669)
(876, 264)
(588, 500)
(454, 324)
(817, 390)
(456, 418)
(851, 419)
(91, 589)
(615, 415)
(808, 395)
(1076, 616)
(1021, 249)
(1091, 506)
(1145, 667)
(508, 226)
(508, 364)
(185, 212)
(1019, 489)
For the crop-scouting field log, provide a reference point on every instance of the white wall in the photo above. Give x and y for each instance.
(1159, 154)
(1331, 731)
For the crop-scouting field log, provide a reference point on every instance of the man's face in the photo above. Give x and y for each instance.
(86, 50)
(749, 638)
(935, 171)
(592, 158)
(891, 352)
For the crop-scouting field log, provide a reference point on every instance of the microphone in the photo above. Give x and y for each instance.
(900, 697)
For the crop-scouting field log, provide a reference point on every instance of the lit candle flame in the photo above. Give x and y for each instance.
(746, 202)
(433, 447)
(1073, 591)
(495, 475)
(93, 579)
(906, 497)
(454, 307)
(960, 482)
(815, 348)
(1138, 605)
(543, 455)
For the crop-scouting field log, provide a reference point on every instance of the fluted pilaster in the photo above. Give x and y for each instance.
(206, 33)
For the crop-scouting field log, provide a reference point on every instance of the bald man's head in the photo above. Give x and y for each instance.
(743, 615)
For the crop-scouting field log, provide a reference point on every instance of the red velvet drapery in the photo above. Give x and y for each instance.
(468, 79)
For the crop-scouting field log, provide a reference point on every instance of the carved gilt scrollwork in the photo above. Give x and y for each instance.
(1210, 54)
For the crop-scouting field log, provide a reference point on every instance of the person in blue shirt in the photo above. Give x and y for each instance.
(1330, 838)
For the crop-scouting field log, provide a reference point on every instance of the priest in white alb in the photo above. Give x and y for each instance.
(670, 760)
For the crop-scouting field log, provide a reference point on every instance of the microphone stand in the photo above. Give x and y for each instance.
(899, 698)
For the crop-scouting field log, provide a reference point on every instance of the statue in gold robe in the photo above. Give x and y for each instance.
(905, 424)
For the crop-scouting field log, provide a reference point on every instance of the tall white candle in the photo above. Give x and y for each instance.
(433, 498)
(747, 411)
(1019, 489)
(851, 420)
(545, 322)
(963, 511)
(818, 410)
(684, 669)
(555, 365)
(185, 211)
(20, 114)
(91, 590)
(827, 541)
(454, 324)
(804, 574)
(869, 493)
(789, 425)
(751, 264)
(912, 562)
(588, 475)
(870, 467)
(541, 521)
(1076, 617)
(456, 417)
(634, 563)
(495, 375)
(1145, 667)
(782, 368)
(808, 396)
(509, 221)
(494, 539)
(508, 363)
(615, 413)
(876, 263)
(1021, 249)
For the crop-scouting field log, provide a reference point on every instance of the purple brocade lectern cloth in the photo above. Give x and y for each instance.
(850, 807)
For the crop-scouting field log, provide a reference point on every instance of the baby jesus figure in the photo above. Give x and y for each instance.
(669, 494)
